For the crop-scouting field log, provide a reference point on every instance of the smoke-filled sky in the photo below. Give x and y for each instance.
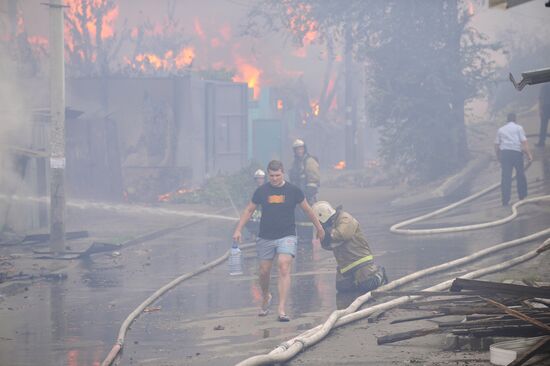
(209, 32)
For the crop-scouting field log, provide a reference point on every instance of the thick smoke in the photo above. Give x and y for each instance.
(15, 133)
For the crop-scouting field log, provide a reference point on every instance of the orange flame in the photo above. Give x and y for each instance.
(315, 108)
(185, 57)
(299, 24)
(341, 165)
(471, 9)
(167, 197)
(38, 41)
(225, 32)
(248, 74)
(167, 62)
(83, 15)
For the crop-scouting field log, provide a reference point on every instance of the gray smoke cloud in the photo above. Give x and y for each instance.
(15, 134)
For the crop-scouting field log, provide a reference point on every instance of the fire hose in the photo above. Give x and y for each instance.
(157, 294)
(396, 228)
(289, 349)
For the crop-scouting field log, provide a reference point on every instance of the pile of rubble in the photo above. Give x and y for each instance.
(488, 311)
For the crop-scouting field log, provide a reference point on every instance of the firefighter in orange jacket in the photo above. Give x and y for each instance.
(356, 269)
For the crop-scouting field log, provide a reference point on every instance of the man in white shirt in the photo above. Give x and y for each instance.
(510, 145)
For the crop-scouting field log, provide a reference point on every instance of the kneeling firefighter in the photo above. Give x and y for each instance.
(356, 270)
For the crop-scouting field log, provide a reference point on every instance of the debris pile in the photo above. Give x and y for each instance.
(488, 310)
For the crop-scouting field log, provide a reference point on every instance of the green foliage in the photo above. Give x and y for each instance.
(221, 189)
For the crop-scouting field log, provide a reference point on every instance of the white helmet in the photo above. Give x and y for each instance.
(323, 210)
(259, 174)
(298, 143)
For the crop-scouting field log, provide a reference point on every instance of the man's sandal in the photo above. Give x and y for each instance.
(265, 309)
(283, 318)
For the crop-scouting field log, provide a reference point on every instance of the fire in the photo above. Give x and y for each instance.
(301, 25)
(279, 104)
(185, 57)
(315, 108)
(225, 32)
(20, 24)
(198, 29)
(167, 197)
(86, 17)
(471, 9)
(249, 74)
(341, 165)
(38, 41)
(166, 62)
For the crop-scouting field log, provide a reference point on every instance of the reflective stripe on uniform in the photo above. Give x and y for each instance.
(356, 263)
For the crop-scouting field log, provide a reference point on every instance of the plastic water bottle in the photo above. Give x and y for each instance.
(235, 263)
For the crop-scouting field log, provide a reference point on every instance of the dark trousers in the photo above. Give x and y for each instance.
(544, 117)
(510, 160)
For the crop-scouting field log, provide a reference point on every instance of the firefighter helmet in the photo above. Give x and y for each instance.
(298, 143)
(323, 210)
(259, 174)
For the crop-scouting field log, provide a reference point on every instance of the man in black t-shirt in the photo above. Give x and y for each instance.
(277, 234)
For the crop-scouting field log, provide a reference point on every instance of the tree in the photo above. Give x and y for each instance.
(423, 62)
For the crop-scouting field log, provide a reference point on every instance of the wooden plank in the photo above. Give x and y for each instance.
(390, 338)
(498, 287)
(507, 331)
(378, 294)
(520, 315)
(459, 300)
(421, 317)
(531, 352)
(487, 323)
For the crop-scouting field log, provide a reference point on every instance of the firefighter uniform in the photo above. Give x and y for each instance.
(305, 172)
(356, 269)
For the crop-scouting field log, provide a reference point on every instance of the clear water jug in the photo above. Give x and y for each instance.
(235, 261)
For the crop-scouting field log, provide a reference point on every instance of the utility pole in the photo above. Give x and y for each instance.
(57, 131)
(350, 100)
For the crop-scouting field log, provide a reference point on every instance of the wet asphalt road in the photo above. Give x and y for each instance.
(75, 322)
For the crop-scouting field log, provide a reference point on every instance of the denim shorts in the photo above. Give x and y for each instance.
(267, 248)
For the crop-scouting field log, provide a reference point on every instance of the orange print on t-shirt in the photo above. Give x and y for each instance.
(276, 198)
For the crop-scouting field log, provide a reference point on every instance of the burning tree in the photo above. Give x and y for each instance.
(161, 47)
(91, 42)
(17, 45)
(299, 20)
(423, 61)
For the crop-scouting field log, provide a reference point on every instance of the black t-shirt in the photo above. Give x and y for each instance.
(278, 204)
